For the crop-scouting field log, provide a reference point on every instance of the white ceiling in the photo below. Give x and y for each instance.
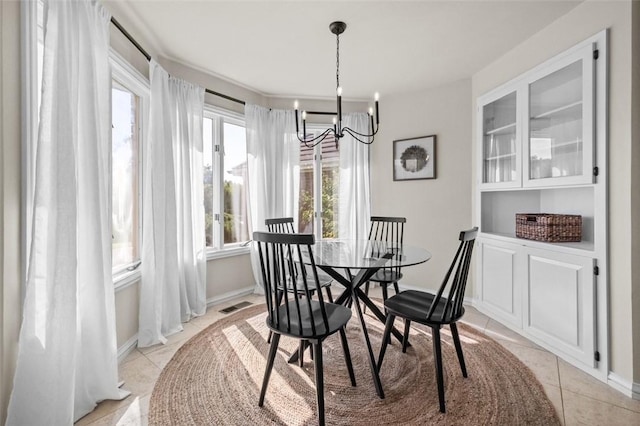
(285, 49)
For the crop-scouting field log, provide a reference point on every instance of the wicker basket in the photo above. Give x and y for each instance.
(551, 228)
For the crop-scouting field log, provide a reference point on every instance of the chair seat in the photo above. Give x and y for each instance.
(386, 276)
(414, 306)
(337, 316)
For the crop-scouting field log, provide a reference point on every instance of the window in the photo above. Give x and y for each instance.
(125, 182)
(129, 108)
(225, 180)
(319, 174)
(130, 96)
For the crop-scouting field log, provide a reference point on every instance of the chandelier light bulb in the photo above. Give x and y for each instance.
(371, 111)
(304, 115)
(339, 91)
(376, 96)
(334, 120)
(295, 105)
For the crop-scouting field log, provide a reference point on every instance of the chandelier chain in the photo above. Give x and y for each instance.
(337, 60)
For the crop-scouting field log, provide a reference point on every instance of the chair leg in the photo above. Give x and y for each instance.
(437, 356)
(385, 338)
(456, 341)
(273, 349)
(317, 360)
(301, 353)
(329, 295)
(405, 338)
(395, 287)
(347, 356)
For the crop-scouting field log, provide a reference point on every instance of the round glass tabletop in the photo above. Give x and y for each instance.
(365, 254)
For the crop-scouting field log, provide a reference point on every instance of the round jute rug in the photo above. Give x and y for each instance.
(215, 379)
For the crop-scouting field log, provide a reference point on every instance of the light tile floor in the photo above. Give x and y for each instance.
(578, 398)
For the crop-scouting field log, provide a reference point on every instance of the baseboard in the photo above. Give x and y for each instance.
(131, 344)
(628, 388)
(128, 347)
(230, 295)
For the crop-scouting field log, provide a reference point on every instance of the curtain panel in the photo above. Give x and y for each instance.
(354, 211)
(273, 163)
(173, 287)
(67, 354)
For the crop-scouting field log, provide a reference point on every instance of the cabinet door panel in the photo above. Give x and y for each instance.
(500, 292)
(560, 303)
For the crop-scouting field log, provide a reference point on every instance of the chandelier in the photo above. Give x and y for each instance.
(338, 130)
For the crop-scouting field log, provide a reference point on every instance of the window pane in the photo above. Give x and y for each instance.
(207, 161)
(124, 190)
(330, 187)
(235, 178)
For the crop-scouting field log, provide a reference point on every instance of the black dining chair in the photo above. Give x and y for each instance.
(435, 310)
(389, 230)
(284, 225)
(295, 313)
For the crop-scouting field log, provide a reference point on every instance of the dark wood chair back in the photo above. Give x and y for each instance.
(387, 229)
(455, 282)
(291, 310)
(281, 225)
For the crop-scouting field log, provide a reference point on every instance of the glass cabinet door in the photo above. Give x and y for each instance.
(559, 124)
(500, 157)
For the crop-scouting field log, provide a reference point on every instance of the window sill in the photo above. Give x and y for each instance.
(227, 252)
(126, 278)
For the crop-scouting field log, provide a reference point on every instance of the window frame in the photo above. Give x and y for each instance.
(221, 116)
(131, 79)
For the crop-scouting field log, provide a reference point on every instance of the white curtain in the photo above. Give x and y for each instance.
(273, 157)
(67, 356)
(355, 202)
(173, 288)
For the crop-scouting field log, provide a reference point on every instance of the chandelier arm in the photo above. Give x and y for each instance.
(364, 135)
(309, 143)
(353, 134)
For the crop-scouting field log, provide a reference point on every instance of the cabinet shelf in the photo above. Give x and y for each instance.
(573, 109)
(566, 143)
(501, 157)
(581, 248)
(503, 130)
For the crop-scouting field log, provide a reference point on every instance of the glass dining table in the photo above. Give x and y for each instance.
(352, 263)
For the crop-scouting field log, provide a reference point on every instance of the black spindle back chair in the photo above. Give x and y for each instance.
(284, 225)
(389, 230)
(292, 311)
(445, 307)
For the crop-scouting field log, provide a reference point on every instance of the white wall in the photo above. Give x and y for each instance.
(436, 209)
(585, 20)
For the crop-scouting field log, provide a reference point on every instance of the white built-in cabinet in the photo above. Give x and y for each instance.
(541, 148)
